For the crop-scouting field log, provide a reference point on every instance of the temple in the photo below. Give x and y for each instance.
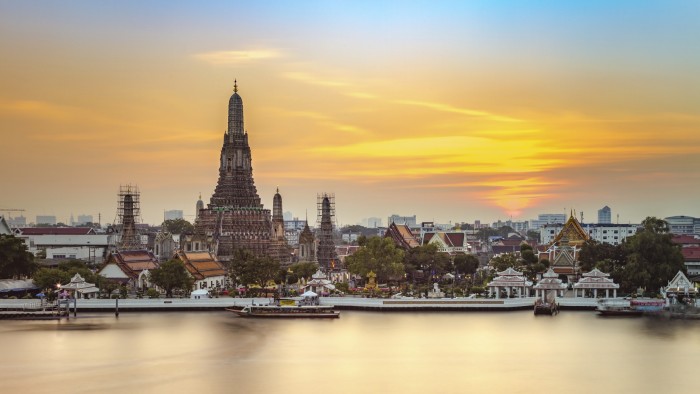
(563, 252)
(235, 217)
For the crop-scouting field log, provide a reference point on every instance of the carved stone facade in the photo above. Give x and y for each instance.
(235, 217)
(279, 248)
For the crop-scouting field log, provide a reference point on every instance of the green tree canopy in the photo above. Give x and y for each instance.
(428, 259)
(504, 261)
(592, 252)
(652, 257)
(247, 269)
(178, 226)
(379, 255)
(171, 275)
(304, 269)
(260, 271)
(466, 263)
(48, 278)
(15, 260)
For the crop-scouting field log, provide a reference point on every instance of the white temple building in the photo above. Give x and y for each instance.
(319, 284)
(594, 281)
(512, 281)
(550, 282)
(80, 288)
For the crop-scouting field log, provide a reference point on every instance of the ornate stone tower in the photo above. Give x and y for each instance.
(128, 212)
(199, 207)
(307, 249)
(279, 248)
(234, 217)
(326, 254)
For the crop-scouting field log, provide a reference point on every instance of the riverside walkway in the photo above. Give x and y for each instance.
(341, 303)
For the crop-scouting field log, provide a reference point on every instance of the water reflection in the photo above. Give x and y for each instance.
(361, 351)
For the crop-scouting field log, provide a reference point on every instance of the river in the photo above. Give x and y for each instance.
(217, 352)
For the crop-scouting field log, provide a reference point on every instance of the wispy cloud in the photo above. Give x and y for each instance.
(313, 80)
(464, 111)
(219, 58)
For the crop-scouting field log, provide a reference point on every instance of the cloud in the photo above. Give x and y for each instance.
(313, 80)
(219, 58)
(457, 110)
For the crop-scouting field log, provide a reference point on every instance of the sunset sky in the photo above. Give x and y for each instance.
(452, 111)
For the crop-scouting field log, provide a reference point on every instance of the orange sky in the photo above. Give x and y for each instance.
(453, 112)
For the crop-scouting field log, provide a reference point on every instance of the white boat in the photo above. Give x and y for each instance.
(273, 311)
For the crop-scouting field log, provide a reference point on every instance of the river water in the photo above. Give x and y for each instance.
(362, 352)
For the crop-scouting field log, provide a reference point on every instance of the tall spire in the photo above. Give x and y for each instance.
(235, 112)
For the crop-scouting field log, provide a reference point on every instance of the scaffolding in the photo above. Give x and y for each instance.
(128, 214)
(326, 254)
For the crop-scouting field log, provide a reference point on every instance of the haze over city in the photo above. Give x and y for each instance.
(454, 111)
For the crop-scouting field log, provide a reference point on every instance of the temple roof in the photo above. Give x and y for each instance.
(402, 235)
(201, 265)
(550, 281)
(133, 262)
(573, 231)
(680, 284)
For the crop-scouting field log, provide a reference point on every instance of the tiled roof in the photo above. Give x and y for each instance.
(691, 253)
(685, 240)
(402, 236)
(201, 265)
(133, 262)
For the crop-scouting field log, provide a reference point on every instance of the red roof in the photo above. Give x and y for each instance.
(56, 231)
(691, 253)
(685, 240)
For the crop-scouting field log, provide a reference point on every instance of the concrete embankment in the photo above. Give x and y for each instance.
(340, 303)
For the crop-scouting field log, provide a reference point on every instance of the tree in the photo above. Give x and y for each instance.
(379, 255)
(593, 252)
(428, 259)
(260, 271)
(171, 274)
(504, 261)
(304, 269)
(48, 278)
(652, 257)
(15, 260)
(466, 264)
(178, 226)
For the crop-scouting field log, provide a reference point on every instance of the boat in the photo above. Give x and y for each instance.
(546, 307)
(287, 311)
(634, 307)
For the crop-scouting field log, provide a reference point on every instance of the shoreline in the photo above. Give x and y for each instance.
(339, 303)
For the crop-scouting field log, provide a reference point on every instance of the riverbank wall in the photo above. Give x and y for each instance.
(340, 303)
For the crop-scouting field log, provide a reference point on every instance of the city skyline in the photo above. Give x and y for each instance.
(451, 111)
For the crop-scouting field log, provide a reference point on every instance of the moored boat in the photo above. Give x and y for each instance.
(273, 311)
(634, 307)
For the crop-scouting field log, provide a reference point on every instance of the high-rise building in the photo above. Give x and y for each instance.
(410, 221)
(547, 218)
(172, 214)
(604, 215)
(235, 217)
(83, 219)
(683, 225)
(45, 219)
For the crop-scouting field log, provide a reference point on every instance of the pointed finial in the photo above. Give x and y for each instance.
(278, 190)
(200, 195)
(235, 86)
